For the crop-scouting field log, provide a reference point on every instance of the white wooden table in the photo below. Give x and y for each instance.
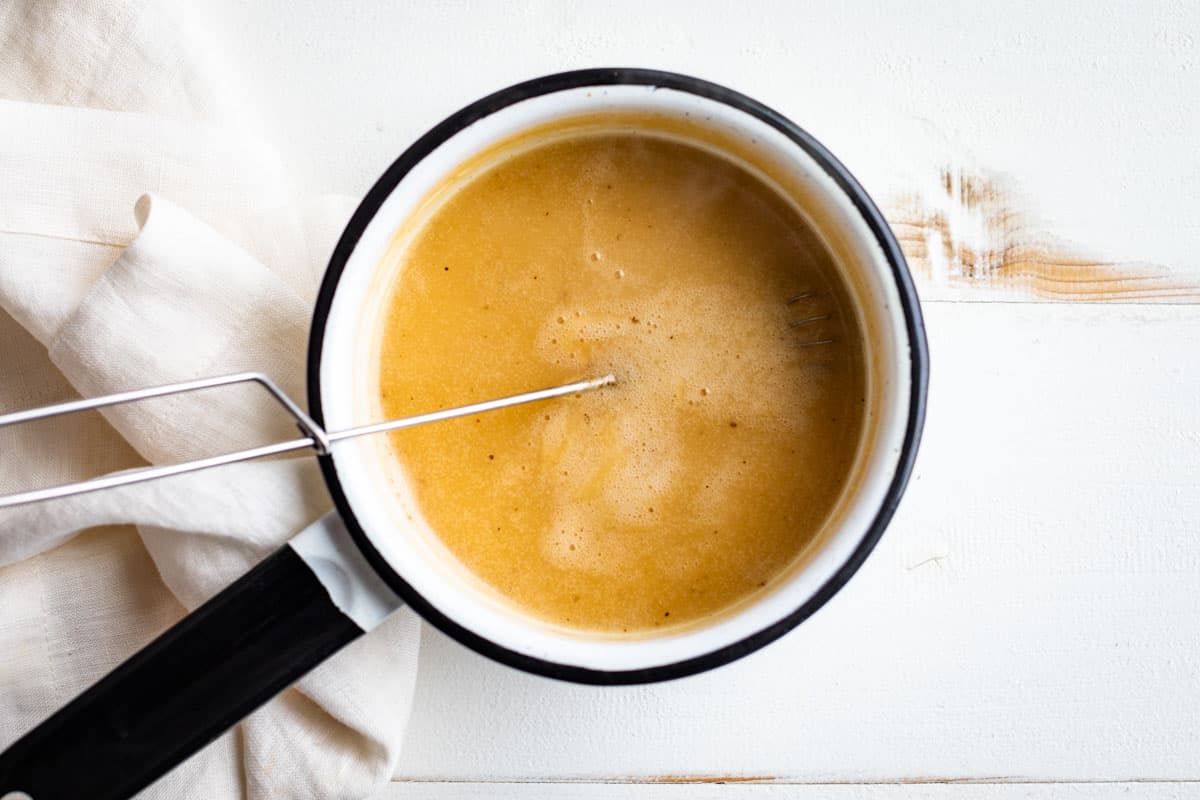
(1030, 624)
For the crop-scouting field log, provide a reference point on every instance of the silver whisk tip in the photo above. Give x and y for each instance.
(592, 383)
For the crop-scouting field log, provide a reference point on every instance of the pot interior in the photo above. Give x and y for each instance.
(449, 157)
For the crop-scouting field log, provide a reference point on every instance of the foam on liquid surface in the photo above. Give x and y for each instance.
(713, 462)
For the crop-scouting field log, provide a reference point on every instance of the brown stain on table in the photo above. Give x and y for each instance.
(956, 781)
(973, 234)
(709, 779)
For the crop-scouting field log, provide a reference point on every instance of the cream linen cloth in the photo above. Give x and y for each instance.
(147, 237)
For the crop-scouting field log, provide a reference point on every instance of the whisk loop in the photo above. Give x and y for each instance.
(796, 298)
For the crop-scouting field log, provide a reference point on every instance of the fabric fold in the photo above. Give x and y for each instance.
(182, 303)
(212, 273)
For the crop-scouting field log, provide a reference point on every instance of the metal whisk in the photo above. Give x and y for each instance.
(315, 437)
(796, 298)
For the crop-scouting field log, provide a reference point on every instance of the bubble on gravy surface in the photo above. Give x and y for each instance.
(715, 460)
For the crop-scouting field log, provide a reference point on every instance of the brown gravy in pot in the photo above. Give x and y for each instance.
(716, 459)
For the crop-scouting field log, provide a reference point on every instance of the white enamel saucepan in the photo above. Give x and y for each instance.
(345, 573)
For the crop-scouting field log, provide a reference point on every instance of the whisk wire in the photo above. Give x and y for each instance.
(315, 438)
(796, 298)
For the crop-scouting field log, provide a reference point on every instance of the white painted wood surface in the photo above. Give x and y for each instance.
(889, 791)
(1034, 612)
